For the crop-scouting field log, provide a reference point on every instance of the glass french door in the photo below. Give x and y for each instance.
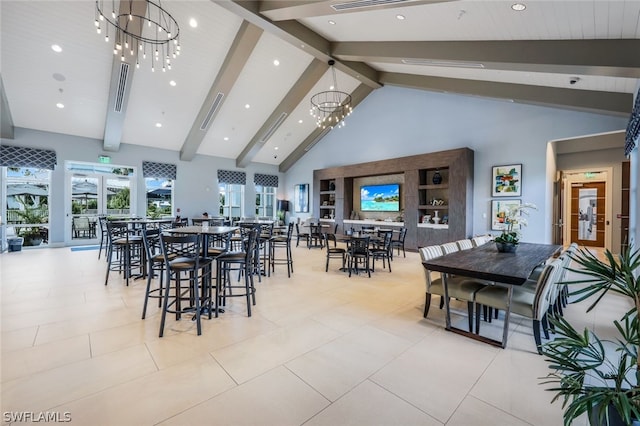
(91, 194)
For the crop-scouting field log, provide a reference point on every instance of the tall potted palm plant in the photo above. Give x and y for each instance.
(594, 376)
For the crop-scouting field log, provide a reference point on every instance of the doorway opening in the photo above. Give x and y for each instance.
(95, 190)
(588, 207)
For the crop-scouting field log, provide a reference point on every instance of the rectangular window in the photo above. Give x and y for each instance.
(159, 197)
(265, 201)
(231, 201)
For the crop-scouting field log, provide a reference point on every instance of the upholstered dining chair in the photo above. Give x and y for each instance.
(460, 288)
(464, 244)
(530, 305)
(480, 240)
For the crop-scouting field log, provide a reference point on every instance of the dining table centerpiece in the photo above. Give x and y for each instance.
(508, 241)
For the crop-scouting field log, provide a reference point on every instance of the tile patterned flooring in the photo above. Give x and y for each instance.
(320, 349)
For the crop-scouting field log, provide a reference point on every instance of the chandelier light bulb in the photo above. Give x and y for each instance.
(99, 30)
(97, 23)
(106, 38)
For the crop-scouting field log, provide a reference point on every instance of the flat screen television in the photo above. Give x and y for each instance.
(380, 198)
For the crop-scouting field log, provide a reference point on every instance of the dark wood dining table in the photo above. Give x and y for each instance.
(486, 263)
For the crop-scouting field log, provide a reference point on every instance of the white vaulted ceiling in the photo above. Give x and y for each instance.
(476, 48)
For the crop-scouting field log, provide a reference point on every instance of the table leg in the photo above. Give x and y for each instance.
(445, 285)
(507, 313)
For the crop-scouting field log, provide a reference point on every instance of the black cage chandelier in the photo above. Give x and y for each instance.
(331, 107)
(140, 28)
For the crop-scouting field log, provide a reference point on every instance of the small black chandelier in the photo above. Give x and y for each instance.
(331, 107)
(140, 30)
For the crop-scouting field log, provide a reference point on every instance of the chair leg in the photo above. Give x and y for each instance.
(470, 314)
(427, 304)
(536, 335)
(146, 295)
(441, 302)
(545, 326)
(484, 307)
(165, 303)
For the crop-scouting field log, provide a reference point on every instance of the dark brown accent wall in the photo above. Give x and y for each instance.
(459, 163)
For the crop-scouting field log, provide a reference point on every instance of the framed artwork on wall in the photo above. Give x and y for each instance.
(506, 181)
(301, 198)
(499, 208)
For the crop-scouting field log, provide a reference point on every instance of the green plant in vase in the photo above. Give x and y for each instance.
(510, 237)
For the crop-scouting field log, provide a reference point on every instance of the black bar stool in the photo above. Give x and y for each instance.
(243, 261)
(124, 252)
(282, 242)
(183, 262)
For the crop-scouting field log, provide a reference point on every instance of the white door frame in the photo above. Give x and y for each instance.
(578, 176)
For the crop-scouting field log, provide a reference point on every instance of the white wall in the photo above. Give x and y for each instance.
(396, 122)
(196, 185)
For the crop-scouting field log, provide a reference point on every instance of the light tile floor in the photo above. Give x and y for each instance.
(320, 349)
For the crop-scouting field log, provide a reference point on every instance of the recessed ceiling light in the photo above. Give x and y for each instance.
(60, 105)
(300, 121)
(276, 62)
(56, 48)
(226, 138)
(158, 124)
(400, 17)
(172, 83)
(332, 22)
(276, 148)
(193, 23)
(247, 106)
(518, 7)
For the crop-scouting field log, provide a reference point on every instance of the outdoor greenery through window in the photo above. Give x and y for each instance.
(231, 201)
(27, 203)
(265, 201)
(159, 197)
